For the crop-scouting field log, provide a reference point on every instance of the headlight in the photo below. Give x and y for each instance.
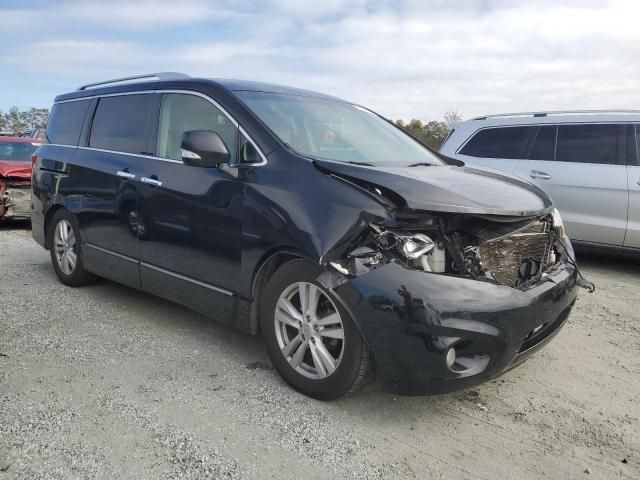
(558, 224)
(417, 245)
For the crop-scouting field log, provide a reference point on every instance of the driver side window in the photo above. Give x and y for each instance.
(180, 113)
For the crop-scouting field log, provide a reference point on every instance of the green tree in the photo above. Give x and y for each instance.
(15, 120)
(434, 132)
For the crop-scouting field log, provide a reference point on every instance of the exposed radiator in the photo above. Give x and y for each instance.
(504, 257)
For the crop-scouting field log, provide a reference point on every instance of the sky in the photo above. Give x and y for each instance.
(403, 58)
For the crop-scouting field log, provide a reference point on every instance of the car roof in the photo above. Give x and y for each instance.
(251, 86)
(539, 118)
(174, 79)
(19, 139)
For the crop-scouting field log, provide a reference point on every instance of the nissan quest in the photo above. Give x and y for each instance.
(353, 249)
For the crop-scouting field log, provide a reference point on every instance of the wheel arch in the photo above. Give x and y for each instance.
(268, 264)
(47, 221)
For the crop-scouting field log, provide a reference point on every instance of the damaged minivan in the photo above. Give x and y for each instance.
(354, 250)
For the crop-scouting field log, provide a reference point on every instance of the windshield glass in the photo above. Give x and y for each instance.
(16, 151)
(335, 130)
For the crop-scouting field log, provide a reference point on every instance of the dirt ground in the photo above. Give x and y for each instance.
(107, 382)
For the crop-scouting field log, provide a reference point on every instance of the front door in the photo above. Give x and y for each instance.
(586, 177)
(190, 217)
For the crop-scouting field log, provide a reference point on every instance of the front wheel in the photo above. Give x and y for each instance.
(311, 339)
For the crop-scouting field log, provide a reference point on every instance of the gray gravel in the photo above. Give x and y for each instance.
(106, 382)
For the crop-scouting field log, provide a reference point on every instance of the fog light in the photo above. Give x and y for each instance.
(451, 357)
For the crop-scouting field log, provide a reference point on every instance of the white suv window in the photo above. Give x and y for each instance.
(498, 142)
(593, 143)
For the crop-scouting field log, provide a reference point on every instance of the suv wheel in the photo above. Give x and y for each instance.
(66, 252)
(311, 339)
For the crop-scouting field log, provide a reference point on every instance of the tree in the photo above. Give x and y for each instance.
(14, 120)
(17, 121)
(434, 132)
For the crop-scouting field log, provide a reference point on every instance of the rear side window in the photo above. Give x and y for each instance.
(501, 142)
(120, 124)
(65, 122)
(544, 145)
(588, 144)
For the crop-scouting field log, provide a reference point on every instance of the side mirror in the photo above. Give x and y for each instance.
(203, 148)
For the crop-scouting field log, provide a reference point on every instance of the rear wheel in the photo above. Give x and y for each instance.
(311, 339)
(66, 251)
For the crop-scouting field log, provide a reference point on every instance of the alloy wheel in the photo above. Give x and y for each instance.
(64, 244)
(309, 330)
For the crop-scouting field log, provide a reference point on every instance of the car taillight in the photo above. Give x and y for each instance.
(34, 157)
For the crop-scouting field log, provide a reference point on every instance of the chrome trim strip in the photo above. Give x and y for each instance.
(246, 135)
(186, 92)
(187, 279)
(109, 252)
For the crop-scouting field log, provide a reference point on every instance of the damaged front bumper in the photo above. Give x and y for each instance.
(15, 201)
(435, 333)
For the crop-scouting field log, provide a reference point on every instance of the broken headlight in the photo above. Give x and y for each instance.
(558, 224)
(417, 245)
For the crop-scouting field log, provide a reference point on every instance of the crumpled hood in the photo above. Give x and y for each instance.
(15, 169)
(451, 188)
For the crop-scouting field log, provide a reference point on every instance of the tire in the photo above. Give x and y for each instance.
(70, 273)
(284, 334)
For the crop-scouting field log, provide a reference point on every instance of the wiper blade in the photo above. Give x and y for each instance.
(421, 164)
(364, 164)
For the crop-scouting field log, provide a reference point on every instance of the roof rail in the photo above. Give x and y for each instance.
(148, 76)
(555, 112)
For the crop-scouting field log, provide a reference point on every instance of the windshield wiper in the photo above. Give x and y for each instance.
(363, 164)
(421, 164)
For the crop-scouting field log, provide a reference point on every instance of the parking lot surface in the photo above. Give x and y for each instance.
(107, 382)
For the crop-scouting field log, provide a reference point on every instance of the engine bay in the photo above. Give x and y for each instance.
(509, 251)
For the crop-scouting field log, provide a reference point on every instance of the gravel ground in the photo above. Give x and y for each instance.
(107, 382)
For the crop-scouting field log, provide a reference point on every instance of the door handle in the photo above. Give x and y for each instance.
(125, 174)
(151, 181)
(638, 182)
(540, 175)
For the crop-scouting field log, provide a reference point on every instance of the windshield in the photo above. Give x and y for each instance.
(335, 130)
(16, 151)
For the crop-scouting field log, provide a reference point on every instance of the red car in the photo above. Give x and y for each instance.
(15, 176)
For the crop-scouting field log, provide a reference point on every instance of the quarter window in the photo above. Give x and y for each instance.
(503, 142)
(588, 144)
(65, 122)
(180, 113)
(120, 124)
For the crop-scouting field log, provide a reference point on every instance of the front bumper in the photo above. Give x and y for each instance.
(410, 319)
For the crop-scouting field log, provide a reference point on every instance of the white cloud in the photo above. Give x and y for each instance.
(411, 59)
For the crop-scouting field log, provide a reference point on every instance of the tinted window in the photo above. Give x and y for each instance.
(120, 123)
(16, 151)
(503, 142)
(544, 145)
(180, 113)
(65, 122)
(587, 144)
(633, 144)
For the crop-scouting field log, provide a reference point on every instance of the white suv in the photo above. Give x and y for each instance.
(587, 161)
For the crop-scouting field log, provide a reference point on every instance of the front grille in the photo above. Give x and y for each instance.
(504, 257)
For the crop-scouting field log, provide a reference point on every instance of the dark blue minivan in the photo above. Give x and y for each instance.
(349, 245)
